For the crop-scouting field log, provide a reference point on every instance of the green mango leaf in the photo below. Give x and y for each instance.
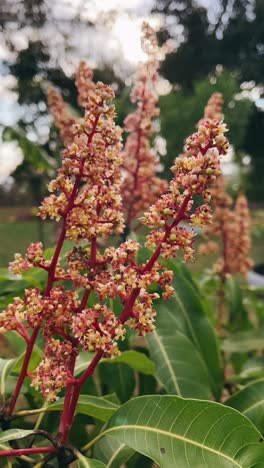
(5, 274)
(185, 433)
(139, 461)
(35, 277)
(186, 313)
(179, 366)
(33, 153)
(16, 342)
(36, 357)
(48, 253)
(82, 362)
(84, 462)
(147, 385)
(97, 407)
(253, 368)
(10, 385)
(5, 447)
(118, 378)
(238, 314)
(10, 289)
(250, 402)
(5, 368)
(14, 434)
(112, 452)
(113, 398)
(234, 295)
(136, 360)
(199, 329)
(244, 342)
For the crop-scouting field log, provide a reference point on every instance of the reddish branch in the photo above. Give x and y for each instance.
(50, 281)
(193, 172)
(74, 389)
(26, 451)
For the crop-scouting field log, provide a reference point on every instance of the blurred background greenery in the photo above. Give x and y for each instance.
(219, 46)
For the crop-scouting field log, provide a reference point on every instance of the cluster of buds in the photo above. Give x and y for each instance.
(95, 335)
(64, 120)
(52, 372)
(34, 257)
(194, 171)
(141, 186)
(84, 83)
(62, 116)
(93, 157)
(231, 226)
(213, 108)
(243, 261)
(13, 317)
(86, 198)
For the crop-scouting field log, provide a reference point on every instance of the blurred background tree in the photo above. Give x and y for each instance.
(34, 66)
(231, 39)
(219, 46)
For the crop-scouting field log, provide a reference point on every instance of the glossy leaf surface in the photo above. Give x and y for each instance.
(187, 433)
(250, 402)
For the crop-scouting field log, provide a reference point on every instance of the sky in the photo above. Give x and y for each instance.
(115, 39)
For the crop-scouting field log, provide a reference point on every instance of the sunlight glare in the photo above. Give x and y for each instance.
(127, 31)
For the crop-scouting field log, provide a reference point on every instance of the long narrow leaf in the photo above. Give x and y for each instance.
(185, 433)
(180, 368)
(250, 402)
(97, 407)
(112, 452)
(14, 434)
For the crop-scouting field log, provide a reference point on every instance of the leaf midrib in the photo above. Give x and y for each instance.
(173, 436)
(167, 360)
(191, 328)
(188, 321)
(255, 405)
(4, 373)
(114, 455)
(105, 405)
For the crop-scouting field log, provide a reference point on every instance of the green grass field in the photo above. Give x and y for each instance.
(17, 234)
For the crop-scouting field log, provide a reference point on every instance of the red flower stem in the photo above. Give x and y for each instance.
(51, 279)
(68, 396)
(129, 305)
(31, 342)
(72, 395)
(177, 220)
(84, 300)
(44, 267)
(65, 429)
(23, 372)
(26, 451)
(93, 252)
(67, 415)
(91, 368)
(51, 275)
(22, 331)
